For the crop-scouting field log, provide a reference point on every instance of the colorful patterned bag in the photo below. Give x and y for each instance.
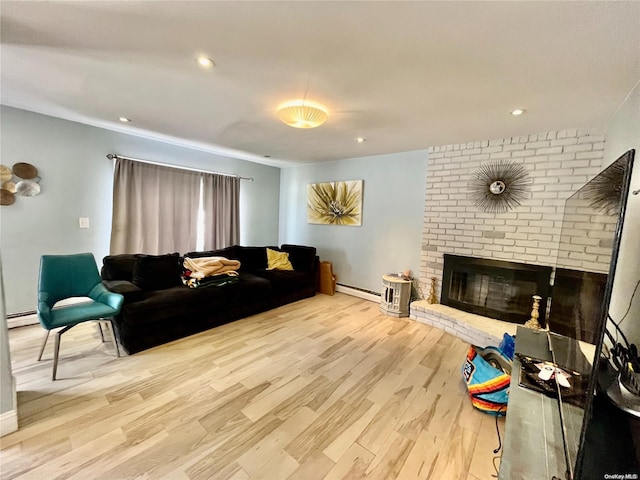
(488, 386)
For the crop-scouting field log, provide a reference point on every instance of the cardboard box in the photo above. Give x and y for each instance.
(327, 280)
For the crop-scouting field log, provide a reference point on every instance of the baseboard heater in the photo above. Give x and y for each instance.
(358, 292)
(29, 317)
(20, 314)
(22, 319)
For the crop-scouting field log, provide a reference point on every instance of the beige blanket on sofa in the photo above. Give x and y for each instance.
(208, 266)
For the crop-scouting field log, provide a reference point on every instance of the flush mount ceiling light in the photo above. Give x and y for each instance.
(205, 62)
(124, 119)
(303, 113)
(517, 111)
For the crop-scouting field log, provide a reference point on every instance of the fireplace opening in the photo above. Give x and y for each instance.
(494, 288)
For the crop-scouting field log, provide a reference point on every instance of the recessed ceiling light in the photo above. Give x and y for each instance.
(205, 62)
(361, 140)
(517, 111)
(124, 119)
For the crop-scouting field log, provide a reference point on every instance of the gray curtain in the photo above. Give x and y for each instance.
(221, 211)
(155, 208)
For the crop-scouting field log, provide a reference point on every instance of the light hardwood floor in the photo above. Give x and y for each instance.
(325, 388)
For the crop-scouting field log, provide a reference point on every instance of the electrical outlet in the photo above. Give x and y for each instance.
(83, 222)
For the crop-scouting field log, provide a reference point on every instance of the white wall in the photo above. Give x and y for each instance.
(8, 410)
(77, 181)
(623, 133)
(393, 200)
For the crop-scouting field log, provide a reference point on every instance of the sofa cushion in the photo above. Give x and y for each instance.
(157, 272)
(186, 304)
(302, 258)
(118, 267)
(252, 258)
(227, 252)
(278, 260)
(282, 281)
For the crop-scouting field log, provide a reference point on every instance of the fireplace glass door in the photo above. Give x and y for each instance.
(494, 289)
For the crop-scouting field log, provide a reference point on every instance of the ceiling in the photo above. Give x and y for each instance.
(403, 75)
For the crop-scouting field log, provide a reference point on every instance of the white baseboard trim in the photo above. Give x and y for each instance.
(357, 293)
(8, 422)
(9, 419)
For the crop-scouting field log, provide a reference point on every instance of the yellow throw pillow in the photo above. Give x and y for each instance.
(278, 260)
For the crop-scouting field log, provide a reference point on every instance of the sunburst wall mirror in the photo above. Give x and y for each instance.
(499, 186)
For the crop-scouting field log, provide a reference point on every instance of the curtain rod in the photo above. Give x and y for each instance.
(113, 156)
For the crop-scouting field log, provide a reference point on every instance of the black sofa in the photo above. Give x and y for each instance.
(158, 308)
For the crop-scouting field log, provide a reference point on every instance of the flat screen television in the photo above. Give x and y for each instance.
(592, 225)
(577, 300)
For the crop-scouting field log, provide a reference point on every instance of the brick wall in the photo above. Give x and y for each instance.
(558, 163)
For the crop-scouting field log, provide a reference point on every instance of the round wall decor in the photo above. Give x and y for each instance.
(22, 179)
(9, 185)
(5, 173)
(27, 188)
(499, 186)
(6, 197)
(25, 170)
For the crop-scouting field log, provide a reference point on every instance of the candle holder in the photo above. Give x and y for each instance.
(535, 314)
(432, 292)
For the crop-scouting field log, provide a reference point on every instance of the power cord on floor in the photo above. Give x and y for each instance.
(496, 450)
(495, 467)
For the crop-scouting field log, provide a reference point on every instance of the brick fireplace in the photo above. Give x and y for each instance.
(558, 163)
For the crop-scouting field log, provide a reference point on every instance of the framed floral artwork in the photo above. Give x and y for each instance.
(335, 203)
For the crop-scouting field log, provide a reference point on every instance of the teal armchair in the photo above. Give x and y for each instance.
(67, 276)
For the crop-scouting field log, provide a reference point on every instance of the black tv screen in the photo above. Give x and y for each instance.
(577, 303)
(583, 279)
(589, 243)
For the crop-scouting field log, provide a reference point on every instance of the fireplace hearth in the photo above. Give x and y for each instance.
(494, 288)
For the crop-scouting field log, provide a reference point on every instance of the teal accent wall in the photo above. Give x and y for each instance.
(77, 181)
(389, 239)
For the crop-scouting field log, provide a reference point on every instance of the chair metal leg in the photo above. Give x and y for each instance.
(112, 329)
(44, 343)
(101, 332)
(57, 349)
